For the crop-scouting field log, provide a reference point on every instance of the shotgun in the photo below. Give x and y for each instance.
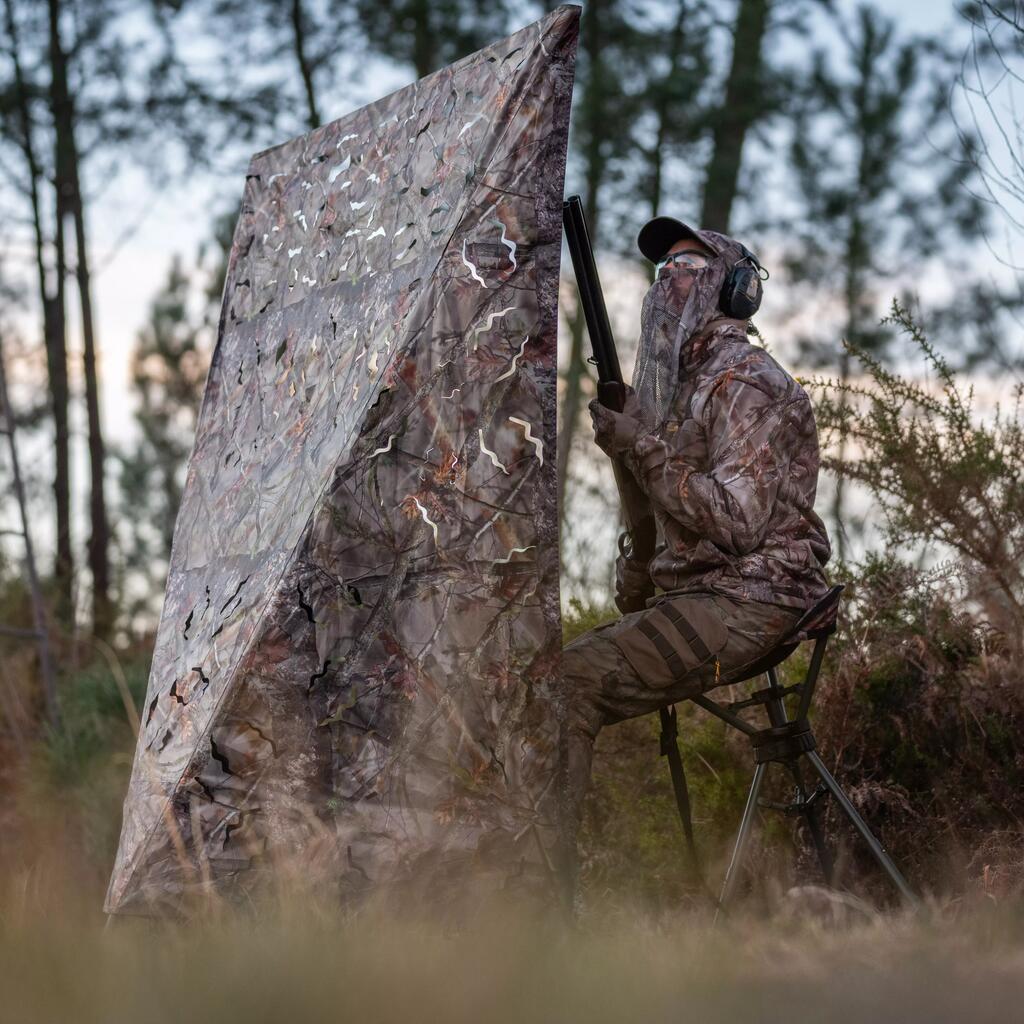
(640, 536)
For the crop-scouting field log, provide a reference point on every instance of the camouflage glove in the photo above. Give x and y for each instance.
(617, 432)
(632, 584)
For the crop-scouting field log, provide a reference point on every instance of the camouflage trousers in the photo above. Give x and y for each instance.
(653, 658)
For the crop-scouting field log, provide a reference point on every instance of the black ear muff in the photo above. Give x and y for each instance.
(742, 291)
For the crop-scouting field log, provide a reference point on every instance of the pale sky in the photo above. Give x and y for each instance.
(176, 221)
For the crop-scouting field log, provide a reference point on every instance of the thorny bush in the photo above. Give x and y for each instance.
(919, 710)
(941, 474)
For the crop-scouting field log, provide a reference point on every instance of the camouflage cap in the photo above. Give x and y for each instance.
(659, 234)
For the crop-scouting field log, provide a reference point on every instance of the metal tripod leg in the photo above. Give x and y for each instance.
(810, 814)
(742, 839)
(876, 848)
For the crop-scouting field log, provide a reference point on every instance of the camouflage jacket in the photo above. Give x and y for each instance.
(732, 477)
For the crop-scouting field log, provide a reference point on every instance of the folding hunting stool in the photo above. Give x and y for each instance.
(785, 741)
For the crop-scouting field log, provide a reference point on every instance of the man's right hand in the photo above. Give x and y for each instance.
(616, 432)
(632, 584)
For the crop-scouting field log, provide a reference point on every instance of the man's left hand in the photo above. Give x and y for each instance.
(617, 432)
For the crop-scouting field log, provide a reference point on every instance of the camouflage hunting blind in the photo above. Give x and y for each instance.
(357, 660)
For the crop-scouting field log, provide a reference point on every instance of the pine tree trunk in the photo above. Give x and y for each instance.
(852, 291)
(70, 202)
(57, 352)
(576, 370)
(39, 617)
(55, 326)
(569, 413)
(592, 113)
(99, 537)
(839, 496)
(738, 112)
(424, 50)
(52, 305)
(305, 70)
(663, 112)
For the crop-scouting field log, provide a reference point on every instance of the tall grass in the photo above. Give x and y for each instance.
(913, 697)
(304, 962)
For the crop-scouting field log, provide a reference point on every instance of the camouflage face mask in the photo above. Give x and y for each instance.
(677, 307)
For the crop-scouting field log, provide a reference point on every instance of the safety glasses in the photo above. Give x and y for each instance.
(688, 259)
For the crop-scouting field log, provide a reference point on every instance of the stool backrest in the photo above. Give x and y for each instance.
(819, 620)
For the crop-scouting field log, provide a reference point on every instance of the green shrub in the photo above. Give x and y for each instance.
(79, 773)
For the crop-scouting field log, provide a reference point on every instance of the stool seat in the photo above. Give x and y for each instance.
(818, 621)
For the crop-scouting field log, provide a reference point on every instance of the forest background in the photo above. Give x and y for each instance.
(869, 152)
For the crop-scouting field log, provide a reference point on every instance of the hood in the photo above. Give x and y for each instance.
(671, 317)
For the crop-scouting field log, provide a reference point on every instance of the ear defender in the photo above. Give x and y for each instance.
(742, 291)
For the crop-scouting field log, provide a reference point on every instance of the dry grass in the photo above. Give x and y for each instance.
(644, 949)
(295, 959)
(302, 963)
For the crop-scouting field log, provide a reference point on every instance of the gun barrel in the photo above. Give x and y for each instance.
(591, 297)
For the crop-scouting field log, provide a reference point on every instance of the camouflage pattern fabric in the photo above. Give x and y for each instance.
(617, 671)
(357, 661)
(678, 306)
(732, 476)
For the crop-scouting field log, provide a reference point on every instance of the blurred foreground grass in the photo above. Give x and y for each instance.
(301, 964)
(644, 948)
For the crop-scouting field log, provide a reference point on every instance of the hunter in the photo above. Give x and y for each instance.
(722, 440)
